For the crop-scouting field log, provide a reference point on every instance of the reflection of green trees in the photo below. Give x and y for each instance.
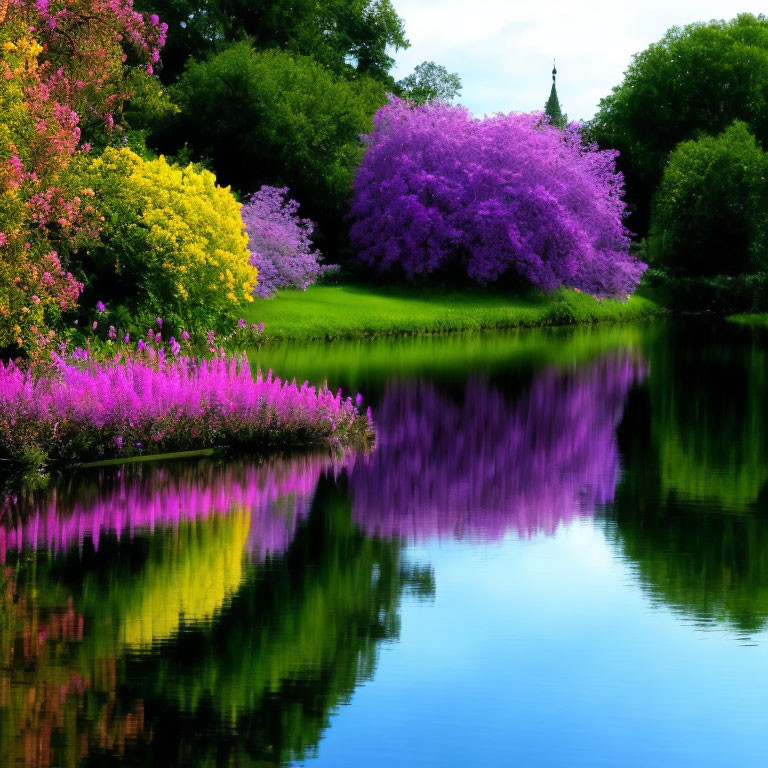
(368, 364)
(709, 395)
(185, 652)
(689, 511)
(296, 641)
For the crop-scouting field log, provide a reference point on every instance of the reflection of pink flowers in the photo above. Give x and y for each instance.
(276, 495)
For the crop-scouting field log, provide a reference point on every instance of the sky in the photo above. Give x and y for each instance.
(503, 49)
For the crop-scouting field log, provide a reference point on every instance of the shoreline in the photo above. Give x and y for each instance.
(349, 312)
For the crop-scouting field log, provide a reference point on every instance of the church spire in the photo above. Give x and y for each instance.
(552, 107)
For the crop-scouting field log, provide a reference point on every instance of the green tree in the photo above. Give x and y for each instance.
(710, 213)
(696, 80)
(552, 107)
(272, 117)
(430, 82)
(351, 37)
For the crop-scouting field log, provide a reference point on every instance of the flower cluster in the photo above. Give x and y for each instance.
(185, 250)
(441, 190)
(280, 242)
(89, 410)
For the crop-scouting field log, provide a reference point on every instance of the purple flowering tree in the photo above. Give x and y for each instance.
(507, 194)
(280, 242)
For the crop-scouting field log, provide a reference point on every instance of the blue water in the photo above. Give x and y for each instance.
(556, 555)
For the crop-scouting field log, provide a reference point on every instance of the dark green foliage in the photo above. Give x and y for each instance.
(696, 80)
(552, 107)
(710, 213)
(272, 117)
(430, 82)
(348, 36)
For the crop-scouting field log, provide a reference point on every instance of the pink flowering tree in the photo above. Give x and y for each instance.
(64, 64)
(440, 190)
(280, 242)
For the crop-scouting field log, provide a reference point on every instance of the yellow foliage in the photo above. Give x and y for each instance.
(196, 255)
(199, 572)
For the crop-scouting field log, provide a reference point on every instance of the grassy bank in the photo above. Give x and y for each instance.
(759, 320)
(334, 312)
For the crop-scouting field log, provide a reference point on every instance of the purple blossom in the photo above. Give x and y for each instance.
(440, 190)
(241, 323)
(185, 335)
(159, 321)
(112, 333)
(94, 326)
(127, 338)
(280, 242)
(101, 307)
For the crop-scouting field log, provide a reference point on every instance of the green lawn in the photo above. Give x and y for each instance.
(333, 312)
(752, 320)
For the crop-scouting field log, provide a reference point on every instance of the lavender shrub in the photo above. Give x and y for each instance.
(439, 189)
(280, 242)
(87, 410)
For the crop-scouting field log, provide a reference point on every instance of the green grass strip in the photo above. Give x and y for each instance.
(350, 312)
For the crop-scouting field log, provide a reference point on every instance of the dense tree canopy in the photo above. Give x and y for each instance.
(66, 71)
(696, 79)
(348, 36)
(272, 117)
(442, 192)
(710, 214)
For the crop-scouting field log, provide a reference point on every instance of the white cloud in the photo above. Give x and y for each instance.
(503, 49)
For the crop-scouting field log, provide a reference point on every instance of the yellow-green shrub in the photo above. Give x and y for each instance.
(172, 241)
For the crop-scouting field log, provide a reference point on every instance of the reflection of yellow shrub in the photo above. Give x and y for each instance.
(197, 571)
(176, 233)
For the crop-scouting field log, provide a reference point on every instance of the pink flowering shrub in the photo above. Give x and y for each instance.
(280, 242)
(149, 404)
(440, 190)
(65, 66)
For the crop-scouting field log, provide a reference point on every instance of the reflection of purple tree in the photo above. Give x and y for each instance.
(143, 498)
(487, 466)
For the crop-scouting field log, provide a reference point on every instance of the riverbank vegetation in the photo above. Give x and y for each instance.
(120, 127)
(348, 311)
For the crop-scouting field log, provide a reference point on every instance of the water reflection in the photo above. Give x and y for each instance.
(207, 613)
(274, 495)
(179, 614)
(690, 514)
(487, 464)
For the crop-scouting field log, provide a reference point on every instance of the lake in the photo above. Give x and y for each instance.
(556, 555)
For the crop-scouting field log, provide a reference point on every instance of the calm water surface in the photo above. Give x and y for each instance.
(556, 555)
